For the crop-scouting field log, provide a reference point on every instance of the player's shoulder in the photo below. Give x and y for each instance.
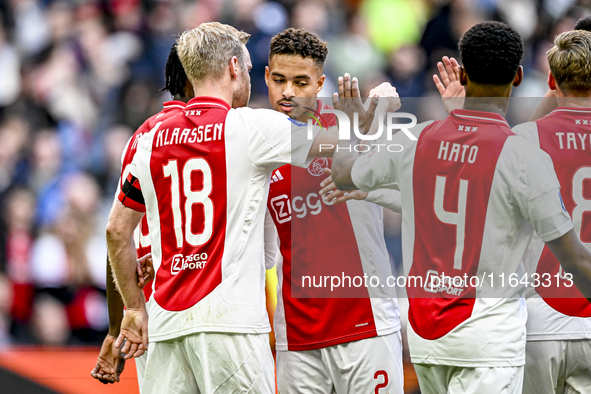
(132, 143)
(421, 129)
(520, 150)
(528, 131)
(257, 112)
(520, 147)
(524, 128)
(259, 118)
(165, 114)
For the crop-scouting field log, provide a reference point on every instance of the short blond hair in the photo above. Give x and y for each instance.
(206, 50)
(569, 61)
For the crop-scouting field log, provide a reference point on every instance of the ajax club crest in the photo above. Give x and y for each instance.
(317, 167)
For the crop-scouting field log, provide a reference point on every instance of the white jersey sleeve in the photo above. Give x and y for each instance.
(386, 198)
(272, 253)
(537, 191)
(528, 131)
(380, 168)
(275, 139)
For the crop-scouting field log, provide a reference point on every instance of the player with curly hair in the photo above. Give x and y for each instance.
(473, 193)
(348, 342)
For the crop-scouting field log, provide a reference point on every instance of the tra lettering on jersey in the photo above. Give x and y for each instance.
(314, 237)
(141, 234)
(565, 134)
(452, 178)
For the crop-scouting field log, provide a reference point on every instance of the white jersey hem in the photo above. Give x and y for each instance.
(571, 336)
(283, 347)
(200, 329)
(471, 363)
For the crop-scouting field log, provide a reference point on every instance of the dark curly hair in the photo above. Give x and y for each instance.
(300, 42)
(174, 73)
(491, 53)
(584, 24)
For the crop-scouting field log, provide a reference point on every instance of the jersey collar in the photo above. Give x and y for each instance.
(573, 109)
(207, 102)
(478, 116)
(174, 104)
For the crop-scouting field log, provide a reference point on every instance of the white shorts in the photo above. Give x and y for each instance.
(446, 379)
(557, 367)
(140, 366)
(372, 365)
(206, 363)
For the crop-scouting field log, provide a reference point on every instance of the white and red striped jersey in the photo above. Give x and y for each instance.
(559, 311)
(471, 192)
(324, 238)
(141, 235)
(204, 177)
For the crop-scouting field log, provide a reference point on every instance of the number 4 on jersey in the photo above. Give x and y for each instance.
(191, 197)
(456, 218)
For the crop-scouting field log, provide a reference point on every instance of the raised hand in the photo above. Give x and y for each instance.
(110, 362)
(451, 90)
(348, 100)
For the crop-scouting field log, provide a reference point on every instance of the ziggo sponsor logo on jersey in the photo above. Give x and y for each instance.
(282, 206)
(191, 262)
(435, 283)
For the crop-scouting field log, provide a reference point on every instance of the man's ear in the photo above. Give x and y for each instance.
(463, 76)
(320, 83)
(518, 77)
(551, 81)
(234, 67)
(267, 75)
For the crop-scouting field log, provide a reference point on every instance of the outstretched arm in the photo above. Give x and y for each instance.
(575, 258)
(386, 198)
(122, 255)
(110, 362)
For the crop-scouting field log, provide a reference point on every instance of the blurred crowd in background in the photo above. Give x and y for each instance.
(77, 77)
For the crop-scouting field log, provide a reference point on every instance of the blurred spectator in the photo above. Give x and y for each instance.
(50, 321)
(114, 143)
(19, 219)
(10, 84)
(68, 259)
(14, 134)
(6, 298)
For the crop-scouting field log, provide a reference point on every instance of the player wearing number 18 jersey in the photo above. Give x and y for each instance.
(203, 177)
(181, 90)
(558, 347)
(472, 194)
(343, 342)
